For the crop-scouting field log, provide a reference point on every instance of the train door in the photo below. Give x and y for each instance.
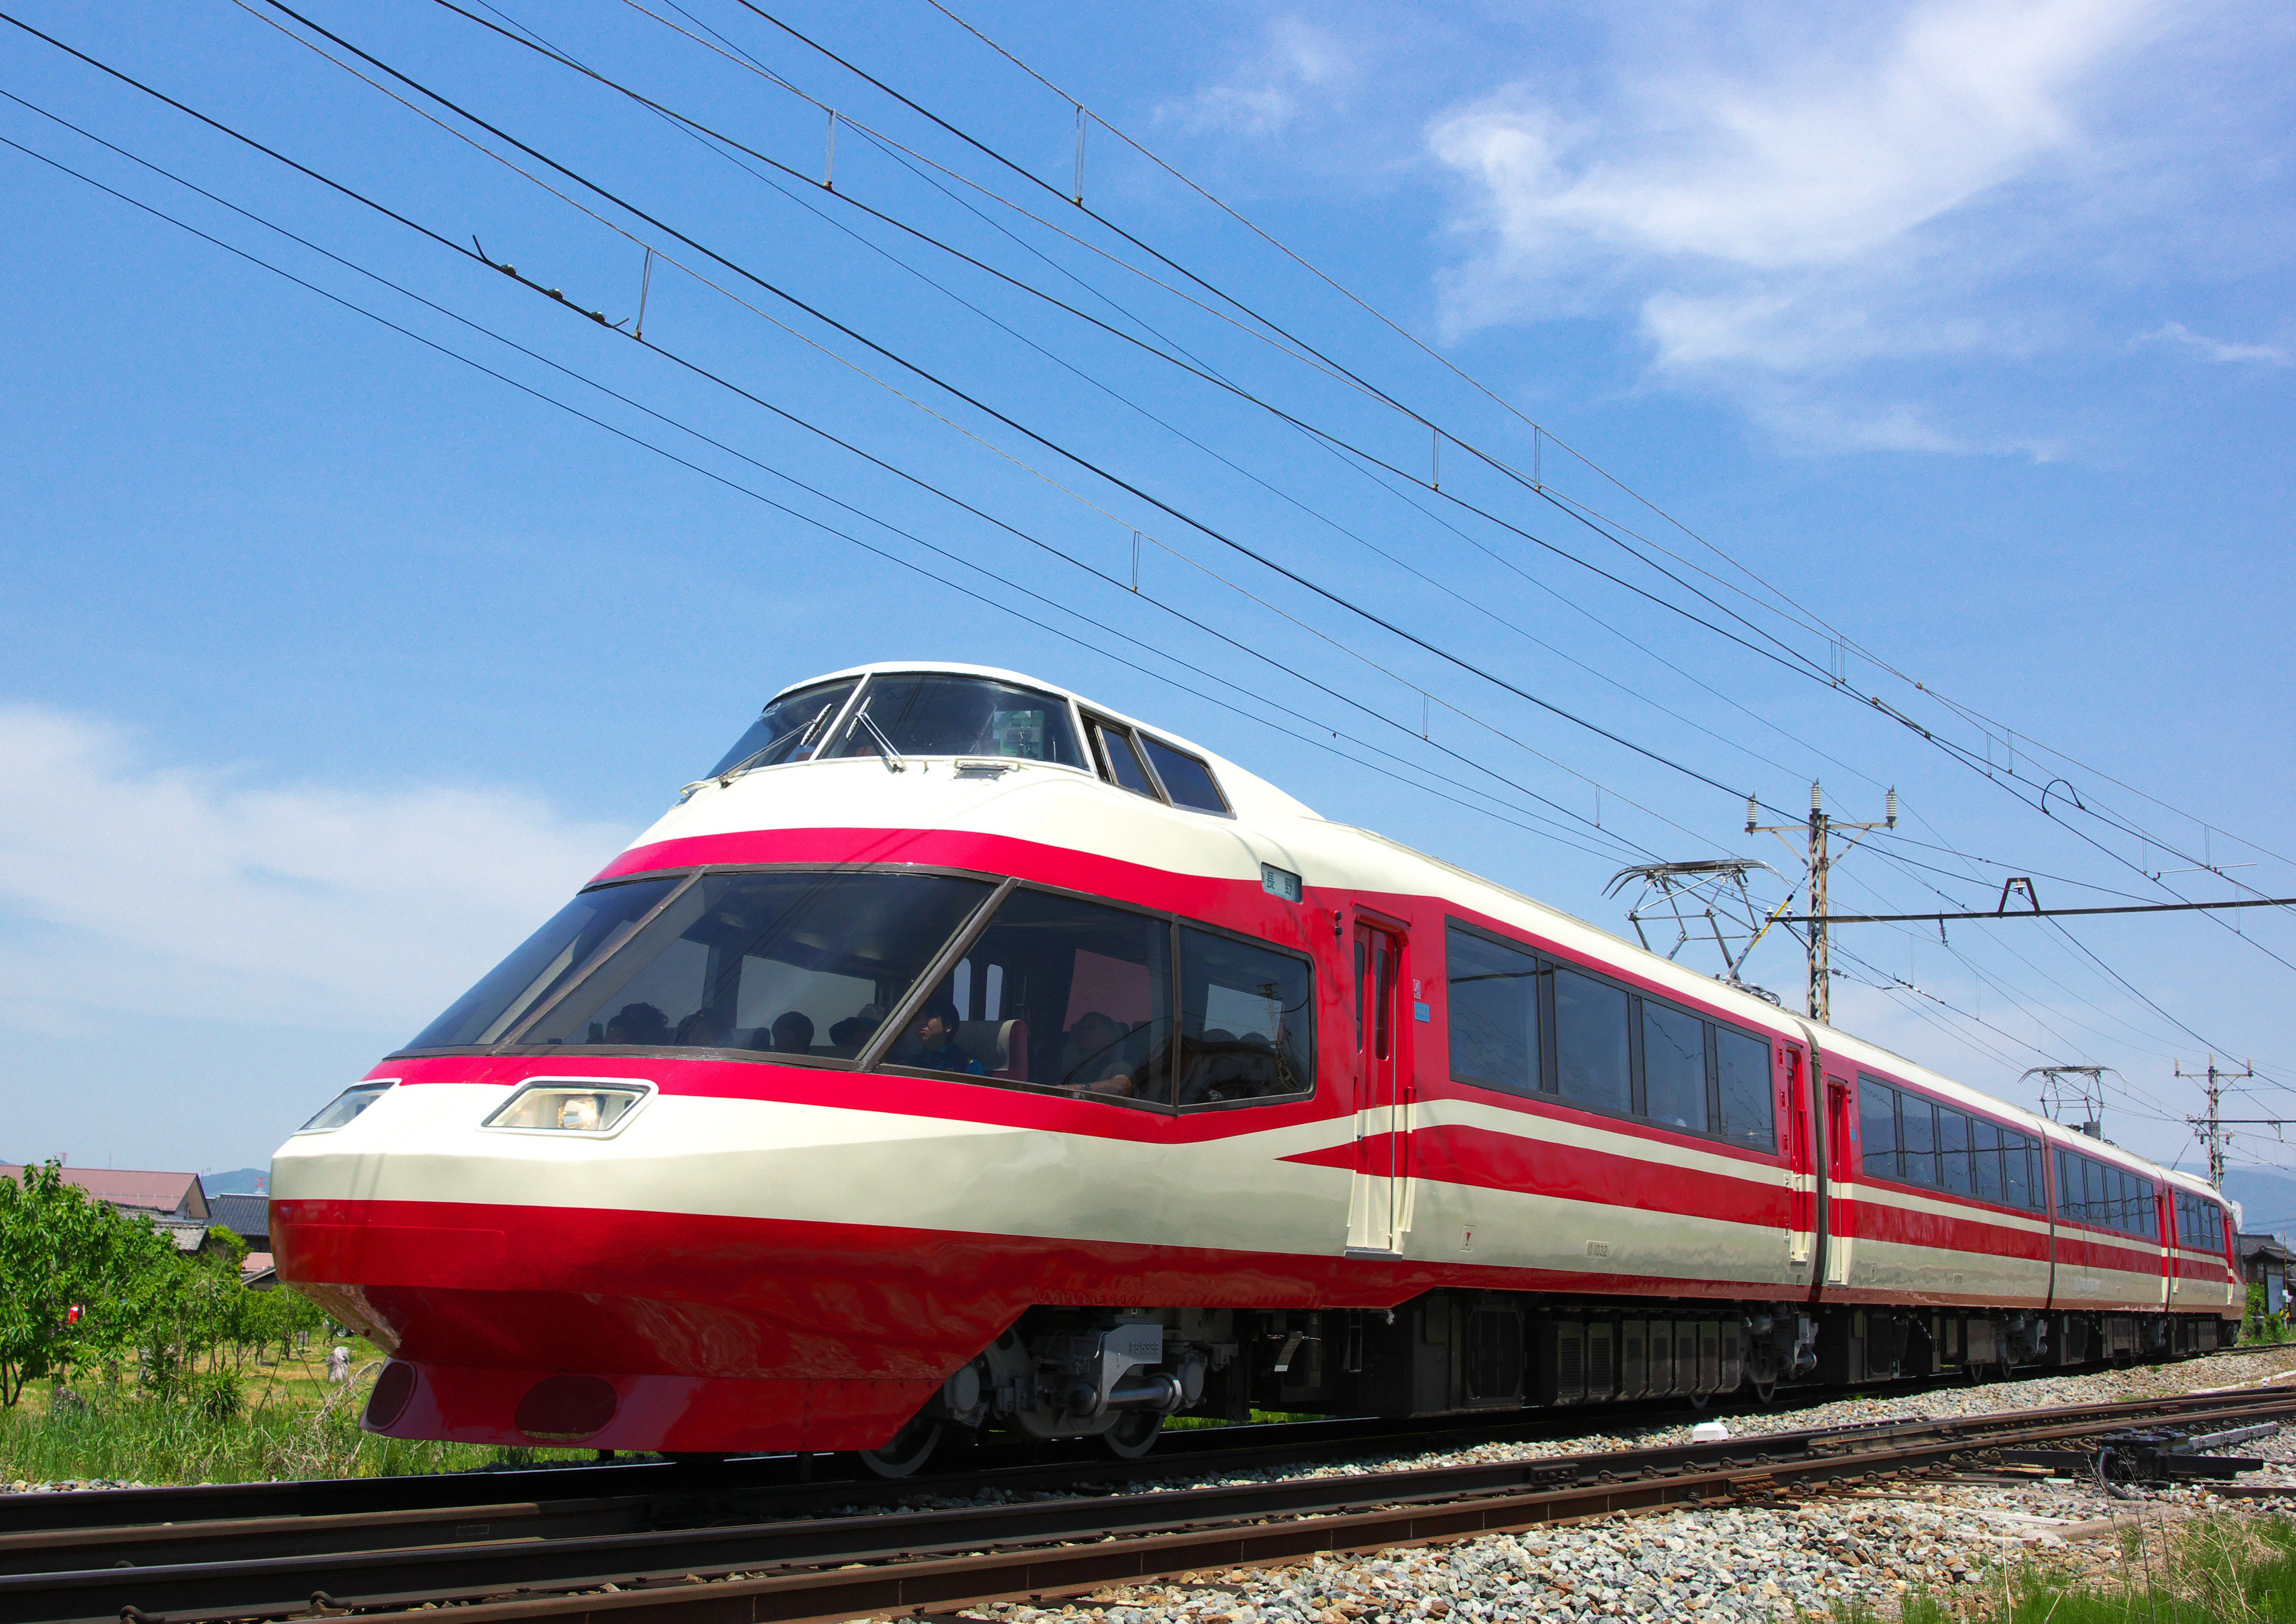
(2164, 1229)
(1381, 1083)
(1800, 1223)
(1841, 1177)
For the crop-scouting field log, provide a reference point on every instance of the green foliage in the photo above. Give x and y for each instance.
(127, 1433)
(2219, 1569)
(2258, 1326)
(77, 1280)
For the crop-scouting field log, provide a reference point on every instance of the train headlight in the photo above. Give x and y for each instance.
(345, 1106)
(579, 1108)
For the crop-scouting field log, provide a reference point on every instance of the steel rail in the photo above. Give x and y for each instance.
(807, 1568)
(793, 1483)
(783, 1480)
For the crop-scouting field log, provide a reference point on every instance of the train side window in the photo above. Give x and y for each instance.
(1186, 779)
(1674, 1067)
(1118, 764)
(2097, 1208)
(1743, 1089)
(1247, 1020)
(2184, 1218)
(1953, 1152)
(1917, 1137)
(1590, 1041)
(1877, 1120)
(1985, 1159)
(1494, 1004)
(2016, 1172)
(2069, 1187)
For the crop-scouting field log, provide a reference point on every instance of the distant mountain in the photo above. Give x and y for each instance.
(2267, 1201)
(247, 1181)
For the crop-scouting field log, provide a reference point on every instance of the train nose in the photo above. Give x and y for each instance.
(691, 1304)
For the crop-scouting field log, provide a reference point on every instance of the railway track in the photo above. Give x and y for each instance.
(542, 1560)
(792, 1484)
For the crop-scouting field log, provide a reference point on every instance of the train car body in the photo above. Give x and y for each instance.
(960, 1052)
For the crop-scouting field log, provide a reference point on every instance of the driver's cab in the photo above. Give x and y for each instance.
(975, 717)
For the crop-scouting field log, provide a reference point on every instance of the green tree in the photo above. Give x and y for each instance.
(77, 1280)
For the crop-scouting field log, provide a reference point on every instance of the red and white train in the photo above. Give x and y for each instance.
(960, 1054)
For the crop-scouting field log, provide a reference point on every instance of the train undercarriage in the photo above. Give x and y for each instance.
(1075, 1374)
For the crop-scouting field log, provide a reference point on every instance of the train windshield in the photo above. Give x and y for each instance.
(584, 932)
(928, 713)
(779, 963)
(791, 726)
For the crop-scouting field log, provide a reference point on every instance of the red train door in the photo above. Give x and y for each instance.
(1840, 1172)
(1382, 1082)
(1801, 1225)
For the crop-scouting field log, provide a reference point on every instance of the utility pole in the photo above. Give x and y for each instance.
(2211, 1127)
(1820, 829)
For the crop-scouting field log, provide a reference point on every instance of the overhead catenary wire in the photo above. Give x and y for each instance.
(1810, 669)
(1337, 599)
(654, 347)
(577, 176)
(718, 142)
(1806, 617)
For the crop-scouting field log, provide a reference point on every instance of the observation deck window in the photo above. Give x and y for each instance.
(786, 963)
(1060, 993)
(553, 958)
(927, 713)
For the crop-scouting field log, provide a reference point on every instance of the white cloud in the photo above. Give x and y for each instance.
(2213, 350)
(1300, 67)
(141, 889)
(1851, 200)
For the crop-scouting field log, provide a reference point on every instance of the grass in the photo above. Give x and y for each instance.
(273, 1421)
(2220, 1568)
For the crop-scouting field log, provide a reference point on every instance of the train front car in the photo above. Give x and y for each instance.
(707, 1164)
(959, 1054)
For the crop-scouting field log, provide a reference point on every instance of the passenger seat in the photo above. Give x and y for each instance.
(1001, 1046)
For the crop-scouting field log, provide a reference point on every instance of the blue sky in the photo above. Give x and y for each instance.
(333, 662)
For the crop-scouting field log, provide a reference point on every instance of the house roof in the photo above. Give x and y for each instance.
(2265, 1246)
(146, 1191)
(189, 1234)
(247, 1216)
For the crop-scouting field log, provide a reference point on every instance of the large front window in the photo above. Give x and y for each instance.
(1053, 991)
(797, 964)
(584, 932)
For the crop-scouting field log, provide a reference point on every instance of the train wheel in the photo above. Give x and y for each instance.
(1766, 1393)
(911, 1448)
(1134, 1435)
